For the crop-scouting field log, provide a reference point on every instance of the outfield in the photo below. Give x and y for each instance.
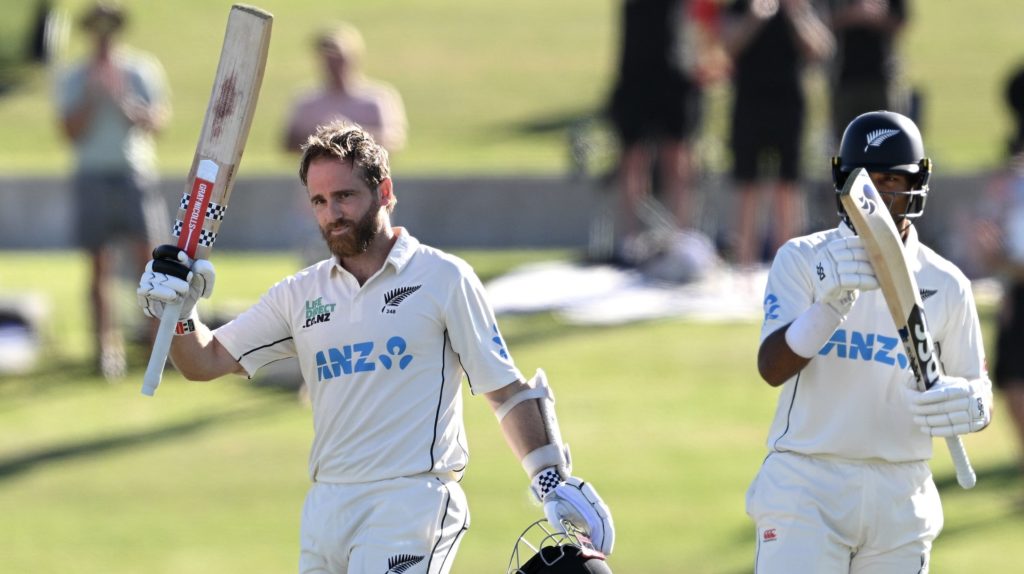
(491, 86)
(667, 418)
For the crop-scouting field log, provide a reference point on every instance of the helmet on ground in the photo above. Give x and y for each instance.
(540, 549)
(884, 142)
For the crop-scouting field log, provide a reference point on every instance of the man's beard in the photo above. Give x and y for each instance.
(359, 236)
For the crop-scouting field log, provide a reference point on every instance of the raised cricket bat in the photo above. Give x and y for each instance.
(875, 226)
(221, 142)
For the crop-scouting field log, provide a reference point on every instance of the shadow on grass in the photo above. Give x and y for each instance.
(1002, 476)
(22, 463)
(1004, 479)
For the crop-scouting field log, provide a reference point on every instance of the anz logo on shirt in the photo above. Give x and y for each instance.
(857, 346)
(334, 362)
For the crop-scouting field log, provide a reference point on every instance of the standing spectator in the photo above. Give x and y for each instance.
(111, 104)
(1000, 237)
(846, 485)
(384, 330)
(866, 72)
(770, 42)
(347, 95)
(669, 49)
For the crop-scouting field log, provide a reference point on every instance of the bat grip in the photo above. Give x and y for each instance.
(161, 347)
(964, 473)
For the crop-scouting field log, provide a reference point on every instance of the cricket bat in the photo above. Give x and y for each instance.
(873, 223)
(229, 114)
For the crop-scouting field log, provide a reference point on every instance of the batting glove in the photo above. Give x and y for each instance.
(842, 271)
(954, 406)
(171, 276)
(574, 504)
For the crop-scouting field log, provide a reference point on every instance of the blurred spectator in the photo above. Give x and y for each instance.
(1000, 237)
(347, 95)
(668, 51)
(110, 105)
(770, 42)
(866, 71)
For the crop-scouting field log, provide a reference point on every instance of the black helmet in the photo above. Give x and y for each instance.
(553, 552)
(884, 142)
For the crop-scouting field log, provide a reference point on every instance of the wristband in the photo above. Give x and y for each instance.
(185, 326)
(812, 329)
(188, 324)
(545, 481)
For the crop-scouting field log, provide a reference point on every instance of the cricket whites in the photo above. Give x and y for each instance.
(874, 224)
(229, 114)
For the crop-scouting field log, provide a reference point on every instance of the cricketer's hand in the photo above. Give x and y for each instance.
(954, 406)
(171, 276)
(576, 502)
(842, 272)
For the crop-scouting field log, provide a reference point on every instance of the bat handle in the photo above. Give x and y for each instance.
(964, 473)
(161, 347)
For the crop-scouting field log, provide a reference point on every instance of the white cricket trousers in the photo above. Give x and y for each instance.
(409, 525)
(817, 515)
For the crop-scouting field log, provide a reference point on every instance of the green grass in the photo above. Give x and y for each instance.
(667, 418)
(490, 86)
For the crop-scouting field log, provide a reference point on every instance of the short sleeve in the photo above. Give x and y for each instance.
(960, 342)
(69, 89)
(788, 292)
(261, 334)
(475, 337)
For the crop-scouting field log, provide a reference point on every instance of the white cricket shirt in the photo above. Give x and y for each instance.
(383, 361)
(847, 402)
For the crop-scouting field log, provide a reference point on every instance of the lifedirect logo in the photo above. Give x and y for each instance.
(318, 312)
(858, 346)
(336, 362)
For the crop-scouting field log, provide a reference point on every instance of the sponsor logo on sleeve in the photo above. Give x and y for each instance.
(771, 307)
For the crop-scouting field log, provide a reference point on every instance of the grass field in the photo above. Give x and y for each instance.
(667, 418)
(491, 86)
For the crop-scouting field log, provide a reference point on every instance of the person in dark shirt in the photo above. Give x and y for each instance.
(770, 41)
(669, 51)
(866, 70)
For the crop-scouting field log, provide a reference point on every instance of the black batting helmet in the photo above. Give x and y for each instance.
(884, 142)
(542, 550)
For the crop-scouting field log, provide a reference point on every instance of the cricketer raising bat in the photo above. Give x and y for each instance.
(873, 223)
(221, 142)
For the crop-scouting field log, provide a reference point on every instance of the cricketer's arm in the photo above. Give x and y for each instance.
(199, 356)
(523, 427)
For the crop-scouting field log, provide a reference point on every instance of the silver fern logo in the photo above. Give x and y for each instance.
(394, 298)
(875, 138)
(402, 562)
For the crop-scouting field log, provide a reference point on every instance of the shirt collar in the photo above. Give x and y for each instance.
(403, 249)
(401, 252)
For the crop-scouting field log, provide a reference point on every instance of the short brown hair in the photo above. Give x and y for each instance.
(350, 143)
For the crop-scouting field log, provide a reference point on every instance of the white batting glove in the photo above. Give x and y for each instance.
(574, 503)
(954, 406)
(842, 271)
(171, 276)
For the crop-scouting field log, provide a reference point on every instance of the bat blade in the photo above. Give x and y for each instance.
(877, 230)
(222, 140)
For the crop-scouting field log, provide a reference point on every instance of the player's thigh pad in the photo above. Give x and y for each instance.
(411, 525)
(799, 511)
(817, 515)
(905, 519)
